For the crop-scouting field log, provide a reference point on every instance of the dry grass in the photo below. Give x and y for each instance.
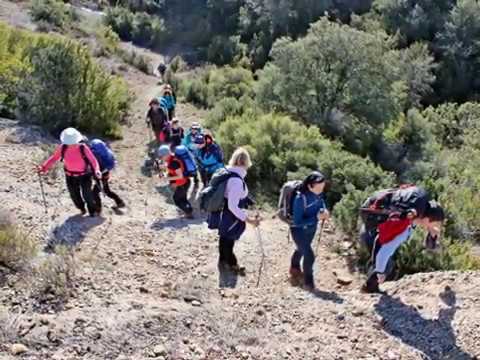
(17, 249)
(54, 275)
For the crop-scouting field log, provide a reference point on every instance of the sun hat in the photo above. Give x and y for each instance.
(163, 151)
(71, 136)
(195, 126)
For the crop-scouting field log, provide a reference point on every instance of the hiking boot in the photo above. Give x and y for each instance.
(239, 270)
(120, 205)
(371, 285)
(296, 272)
(189, 216)
(83, 212)
(296, 276)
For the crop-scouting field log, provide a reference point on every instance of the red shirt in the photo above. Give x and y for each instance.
(173, 164)
(391, 228)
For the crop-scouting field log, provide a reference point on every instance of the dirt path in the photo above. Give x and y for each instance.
(147, 285)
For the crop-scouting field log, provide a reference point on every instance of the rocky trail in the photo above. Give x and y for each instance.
(146, 283)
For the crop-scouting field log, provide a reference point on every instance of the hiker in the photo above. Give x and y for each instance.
(168, 101)
(189, 143)
(233, 218)
(80, 166)
(162, 68)
(176, 133)
(389, 218)
(157, 119)
(189, 138)
(178, 181)
(308, 207)
(209, 157)
(106, 161)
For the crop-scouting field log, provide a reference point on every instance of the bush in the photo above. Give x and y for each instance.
(64, 87)
(55, 274)
(147, 30)
(210, 85)
(137, 60)
(177, 64)
(17, 249)
(283, 149)
(225, 50)
(121, 21)
(108, 41)
(12, 65)
(228, 107)
(140, 28)
(53, 12)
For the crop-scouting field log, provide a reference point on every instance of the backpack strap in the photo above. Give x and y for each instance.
(85, 158)
(63, 150)
(235, 175)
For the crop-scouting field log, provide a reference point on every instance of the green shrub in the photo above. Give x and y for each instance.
(12, 65)
(121, 21)
(147, 30)
(108, 41)
(64, 87)
(228, 107)
(137, 60)
(225, 50)
(17, 249)
(282, 148)
(177, 64)
(412, 257)
(140, 28)
(210, 85)
(53, 12)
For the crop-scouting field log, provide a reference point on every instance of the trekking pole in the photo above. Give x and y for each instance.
(260, 242)
(43, 193)
(320, 235)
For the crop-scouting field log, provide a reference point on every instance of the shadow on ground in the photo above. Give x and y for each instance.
(72, 231)
(435, 338)
(176, 223)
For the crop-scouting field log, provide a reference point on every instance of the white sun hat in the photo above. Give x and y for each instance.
(70, 136)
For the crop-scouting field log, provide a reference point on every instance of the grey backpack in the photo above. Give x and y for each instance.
(285, 201)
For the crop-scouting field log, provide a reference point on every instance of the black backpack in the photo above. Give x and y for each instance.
(397, 201)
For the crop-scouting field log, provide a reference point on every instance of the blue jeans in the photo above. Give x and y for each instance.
(303, 238)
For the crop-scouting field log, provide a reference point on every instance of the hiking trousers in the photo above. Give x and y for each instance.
(225, 247)
(108, 192)
(180, 198)
(80, 189)
(303, 237)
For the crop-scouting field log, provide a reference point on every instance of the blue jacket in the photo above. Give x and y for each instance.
(167, 102)
(210, 158)
(306, 208)
(188, 142)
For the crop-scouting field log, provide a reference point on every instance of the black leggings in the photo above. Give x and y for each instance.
(107, 191)
(180, 198)
(225, 247)
(80, 189)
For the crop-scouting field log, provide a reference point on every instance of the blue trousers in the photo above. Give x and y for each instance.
(303, 238)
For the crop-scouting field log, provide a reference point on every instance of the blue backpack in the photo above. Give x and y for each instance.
(182, 153)
(103, 154)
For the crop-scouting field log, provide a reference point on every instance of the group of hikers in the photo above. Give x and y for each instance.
(389, 216)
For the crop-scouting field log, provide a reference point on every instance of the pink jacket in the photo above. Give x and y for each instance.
(235, 192)
(73, 160)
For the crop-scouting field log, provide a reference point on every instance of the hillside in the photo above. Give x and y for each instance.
(144, 283)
